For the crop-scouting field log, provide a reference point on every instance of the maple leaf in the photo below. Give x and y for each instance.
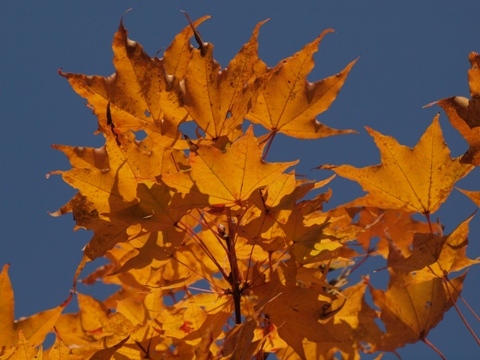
(95, 331)
(269, 222)
(150, 247)
(238, 341)
(59, 351)
(472, 195)
(394, 226)
(436, 256)
(229, 177)
(103, 183)
(296, 312)
(410, 310)
(308, 240)
(111, 199)
(414, 180)
(289, 104)
(34, 328)
(154, 208)
(194, 316)
(132, 90)
(23, 350)
(100, 175)
(138, 90)
(464, 114)
(354, 326)
(106, 354)
(218, 100)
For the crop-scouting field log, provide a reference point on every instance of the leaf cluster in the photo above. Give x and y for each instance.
(174, 214)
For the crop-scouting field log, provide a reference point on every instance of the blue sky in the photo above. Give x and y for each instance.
(411, 53)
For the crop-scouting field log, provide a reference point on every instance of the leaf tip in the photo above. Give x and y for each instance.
(430, 104)
(326, 31)
(325, 167)
(121, 27)
(436, 121)
(126, 12)
(61, 73)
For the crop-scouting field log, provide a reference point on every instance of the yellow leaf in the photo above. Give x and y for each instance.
(410, 310)
(435, 256)
(414, 180)
(7, 328)
(133, 90)
(472, 195)
(218, 100)
(93, 316)
(106, 354)
(59, 351)
(132, 310)
(295, 311)
(229, 177)
(24, 350)
(289, 104)
(34, 328)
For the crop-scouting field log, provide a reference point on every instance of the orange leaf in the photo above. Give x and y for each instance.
(178, 54)
(410, 310)
(464, 114)
(133, 90)
(289, 104)
(218, 100)
(415, 180)
(100, 175)
(472, 195)
(228, 177)
(34, 328)
(139, 92)
(435, 256)
(390, 225)
(356, 320)
(295, 311)
(112, 197)
(107, 353)
(7, 327)
(354, 325)
(24, 350)
(238, 341)
(59, 351)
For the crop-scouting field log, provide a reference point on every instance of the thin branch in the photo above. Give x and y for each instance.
(460, 313)
(434, 348)
(204, 248)
(196, 273)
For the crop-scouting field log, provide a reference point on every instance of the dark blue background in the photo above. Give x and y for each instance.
(412, 53)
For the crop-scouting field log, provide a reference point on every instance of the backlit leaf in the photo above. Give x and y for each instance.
(415, 180)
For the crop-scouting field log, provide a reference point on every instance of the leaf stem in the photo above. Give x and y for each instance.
(427, 216)
(358, 264)
(270, 140)
(203, 277)
(200, 243)
(217, 235)
(434, 348)
(459, 312)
